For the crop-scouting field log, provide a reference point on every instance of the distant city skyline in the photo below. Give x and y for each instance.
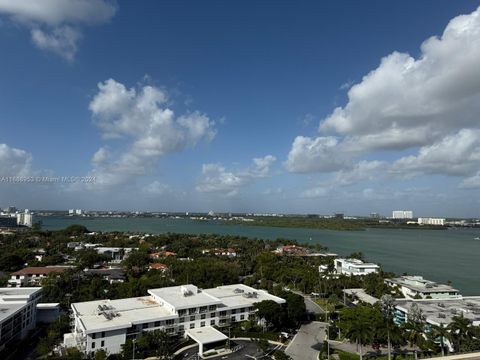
(270, 107)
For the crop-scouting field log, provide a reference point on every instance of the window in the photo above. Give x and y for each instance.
(202, 324)
(192, 318)
(242, 317)
(94, 335)
(212, 315)
(212, 322)
(103, 334)
(203, 316)
(170, 322)
(232, 319)
(93, 344)
(181, 320)
(203, 309)
(222, 313)
(192, 326)
(102, 343)
(234, 311)
(212, 307)
(192, 311)
(182, 312)
(157, 323)
(144, 326)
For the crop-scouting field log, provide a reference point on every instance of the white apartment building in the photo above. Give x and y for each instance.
(106, 324)
(18, 313)
(413, 287)
(355, 267)
(431, 221)
(402, 214)
(25, 219)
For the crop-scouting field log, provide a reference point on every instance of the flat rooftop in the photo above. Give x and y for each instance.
(121, 313)
(184, 296)
(442, 311)
(206, 335)
(20, 291)
(239, 295)
(361, 295)
(8, 309)
(418, 283)
(358, 263)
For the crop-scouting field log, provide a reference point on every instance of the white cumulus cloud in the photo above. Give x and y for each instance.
(141, 119)
(428, 105)
(216, 178)
(56, 24)
(14, 162)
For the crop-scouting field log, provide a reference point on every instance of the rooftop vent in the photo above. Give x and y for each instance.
(442, 316)
(238, 291)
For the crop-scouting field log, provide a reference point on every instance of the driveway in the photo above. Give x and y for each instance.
(307, 342)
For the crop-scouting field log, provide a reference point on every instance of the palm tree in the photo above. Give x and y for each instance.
(388, 306)
(441, 332)
(357, 325)
(461, 330)
(414, 333)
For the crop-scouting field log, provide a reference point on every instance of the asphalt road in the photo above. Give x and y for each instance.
(307, 342)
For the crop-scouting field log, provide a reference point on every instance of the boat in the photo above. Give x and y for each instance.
(476, 238)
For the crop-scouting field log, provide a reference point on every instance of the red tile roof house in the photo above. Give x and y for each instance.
(158, 266)
(33, 275)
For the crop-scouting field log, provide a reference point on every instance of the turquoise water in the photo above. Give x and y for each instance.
(437, 255)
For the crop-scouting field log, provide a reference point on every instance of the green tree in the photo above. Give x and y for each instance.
(442, 333)
(358, 324)
(270, 311)
(461, 330)
(388, 307)
(75, 230)
(415, 329)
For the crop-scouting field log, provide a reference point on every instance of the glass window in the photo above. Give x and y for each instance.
(157, 323)
(94, 335)
(181, 320)
(103, 343)
(93, 344)
(192, 318)
(202, 324)
(203, 316)
(192, 326)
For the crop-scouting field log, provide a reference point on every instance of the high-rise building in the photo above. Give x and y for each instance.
(25, 219)
(402, 214)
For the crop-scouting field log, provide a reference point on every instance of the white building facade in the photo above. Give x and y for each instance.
(402, 214)
(18, 313)
(106, 324)
(431, 221)
(354, 267)
(416, 287)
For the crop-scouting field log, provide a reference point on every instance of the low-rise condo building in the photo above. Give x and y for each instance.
(431, 221)
(355, 267)
(18, 313)
(438, 312)
(106, 324)
(416, 287)
(33, 275)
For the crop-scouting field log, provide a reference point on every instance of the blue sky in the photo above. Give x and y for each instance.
(272, 106)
